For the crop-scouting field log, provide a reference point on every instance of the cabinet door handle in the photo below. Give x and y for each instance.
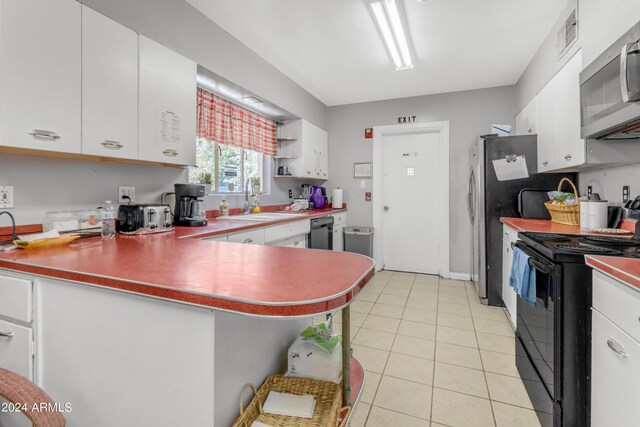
(617, 348)
(6, 334)
(568, 157)
(530, 131)
(308, 172)
(248, 241)
(170, 153)
(112, 145)
(545, 163)
(44, 135)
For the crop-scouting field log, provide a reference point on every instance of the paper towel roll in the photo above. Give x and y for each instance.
(336, 201)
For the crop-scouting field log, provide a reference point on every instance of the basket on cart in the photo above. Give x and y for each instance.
(327, 412)
(565, 214)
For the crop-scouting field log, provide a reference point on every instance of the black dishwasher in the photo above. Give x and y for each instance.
(321, 235)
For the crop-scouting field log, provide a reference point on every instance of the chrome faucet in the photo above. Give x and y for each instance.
(247, 207)
(14, 235)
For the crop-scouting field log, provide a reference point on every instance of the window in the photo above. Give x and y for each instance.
(233, 144)
(229, 166)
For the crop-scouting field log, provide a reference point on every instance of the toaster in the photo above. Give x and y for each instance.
(133, 217)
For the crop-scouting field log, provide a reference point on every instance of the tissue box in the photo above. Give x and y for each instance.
(308, 360)
(501, 130)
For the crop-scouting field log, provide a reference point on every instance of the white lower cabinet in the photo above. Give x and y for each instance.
(614, 376)
(339, 224)
(293, 242)
(509, 296)
(16, 348)
(254, 237)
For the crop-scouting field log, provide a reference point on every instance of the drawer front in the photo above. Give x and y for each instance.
(340, 218)
(618, 303)
(509, 234)
(15, 350)
(615, 368)
(285, 231)
(16, 298)
(293, 242)
(255, 237)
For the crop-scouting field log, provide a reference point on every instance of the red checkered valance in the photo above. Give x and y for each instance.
(226, 123)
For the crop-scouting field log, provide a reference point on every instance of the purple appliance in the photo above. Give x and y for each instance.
(318, 197)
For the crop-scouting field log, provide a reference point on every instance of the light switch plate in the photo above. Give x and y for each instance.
(363, 184)
(6, 196)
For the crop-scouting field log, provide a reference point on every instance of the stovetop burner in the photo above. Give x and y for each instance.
(608, 240)
(549, 237)
(582, 248)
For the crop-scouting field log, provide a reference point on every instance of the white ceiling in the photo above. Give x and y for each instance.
(332, 48)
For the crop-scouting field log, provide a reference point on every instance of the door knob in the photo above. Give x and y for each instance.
(386, 208)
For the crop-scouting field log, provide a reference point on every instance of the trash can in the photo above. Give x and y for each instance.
(359, 240)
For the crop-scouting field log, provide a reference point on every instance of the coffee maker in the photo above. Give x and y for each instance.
(189, 209)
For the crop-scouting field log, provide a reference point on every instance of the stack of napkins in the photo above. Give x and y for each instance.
(291, 405)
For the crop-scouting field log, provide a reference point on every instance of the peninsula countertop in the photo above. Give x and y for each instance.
(250, 279)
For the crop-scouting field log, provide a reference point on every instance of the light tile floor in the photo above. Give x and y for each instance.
(434, 356)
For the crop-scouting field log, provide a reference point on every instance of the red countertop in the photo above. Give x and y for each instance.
(250, 279)
(546, 226)
(224, 226)
(626, 270)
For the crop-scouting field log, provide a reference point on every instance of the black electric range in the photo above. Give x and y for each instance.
(553, 336)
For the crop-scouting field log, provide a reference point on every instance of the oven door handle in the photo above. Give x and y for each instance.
(543, 268)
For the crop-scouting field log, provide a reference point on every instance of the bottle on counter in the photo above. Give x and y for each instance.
(224, 207)
(108, 221)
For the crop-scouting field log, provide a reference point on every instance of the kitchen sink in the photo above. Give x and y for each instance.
(266, 216)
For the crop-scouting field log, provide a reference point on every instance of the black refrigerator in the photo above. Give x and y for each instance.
(491, 197)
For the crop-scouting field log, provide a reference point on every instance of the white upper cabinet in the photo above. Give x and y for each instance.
(558, 120)
(109, 87)
(570, 149)
(40, 74)
(167, 105)
(308, 155)
(545, 128)
(322, 141)
(526, 119)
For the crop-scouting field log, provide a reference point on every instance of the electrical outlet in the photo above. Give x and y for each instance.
(589, 192)
(126, 190)
(290, 194)
(6, 196)
(625, 193)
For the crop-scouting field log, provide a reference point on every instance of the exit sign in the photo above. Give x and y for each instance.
(407, 119)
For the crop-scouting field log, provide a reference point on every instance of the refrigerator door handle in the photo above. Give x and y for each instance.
(469, 197)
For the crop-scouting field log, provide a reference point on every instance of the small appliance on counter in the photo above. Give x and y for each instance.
(318, 196)
(300, 205)
(149, 217)
(283, 171)
(190, 209)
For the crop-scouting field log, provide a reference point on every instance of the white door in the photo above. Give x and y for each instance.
(411, 185)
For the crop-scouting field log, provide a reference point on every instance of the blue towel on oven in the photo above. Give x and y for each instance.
(523, 276)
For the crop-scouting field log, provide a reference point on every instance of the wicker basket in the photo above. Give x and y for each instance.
(565, 214)
(326, 413)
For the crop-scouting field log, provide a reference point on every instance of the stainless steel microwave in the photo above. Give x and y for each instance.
(610, 91)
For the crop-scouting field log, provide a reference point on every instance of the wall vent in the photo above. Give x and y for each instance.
(568, 33)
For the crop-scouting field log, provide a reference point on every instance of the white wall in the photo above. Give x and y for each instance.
(471, 113)
(545, 63)
(44, 184)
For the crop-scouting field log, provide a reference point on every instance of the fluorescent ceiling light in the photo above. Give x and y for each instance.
(251, 100)
(393, 34)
